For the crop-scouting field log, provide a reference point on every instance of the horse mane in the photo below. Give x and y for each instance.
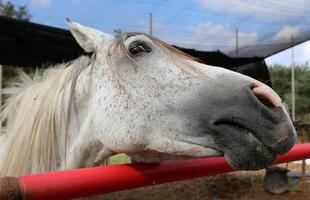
(28, 115)
(30, 140)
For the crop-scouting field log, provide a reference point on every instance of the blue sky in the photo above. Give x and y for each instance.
(200, 24)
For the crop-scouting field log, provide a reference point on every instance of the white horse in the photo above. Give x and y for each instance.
(137, 95)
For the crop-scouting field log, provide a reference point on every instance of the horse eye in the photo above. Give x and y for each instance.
(137, 49)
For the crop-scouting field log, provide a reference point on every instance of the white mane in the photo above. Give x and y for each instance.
(28, 115)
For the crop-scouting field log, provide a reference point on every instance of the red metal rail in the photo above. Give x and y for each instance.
(98, 180)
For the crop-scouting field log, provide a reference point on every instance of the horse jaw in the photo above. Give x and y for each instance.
(166, 149)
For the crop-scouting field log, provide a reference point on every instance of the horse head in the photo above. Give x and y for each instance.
(154, 103)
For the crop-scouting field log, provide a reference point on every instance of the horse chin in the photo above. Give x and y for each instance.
(249, 163)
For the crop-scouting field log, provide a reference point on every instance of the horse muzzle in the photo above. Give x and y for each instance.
(247, 121)
(251, 133)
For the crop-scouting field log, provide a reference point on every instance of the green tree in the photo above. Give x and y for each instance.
(281, 79)
(17, 12)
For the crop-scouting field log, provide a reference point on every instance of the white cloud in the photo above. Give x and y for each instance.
(286, 33)
(283, 58)
(276, 9)
(301, 52)
(41, 3)
(305, 56)
(209, 36)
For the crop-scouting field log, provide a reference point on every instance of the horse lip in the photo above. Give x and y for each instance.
(247, 130)
(234, 123)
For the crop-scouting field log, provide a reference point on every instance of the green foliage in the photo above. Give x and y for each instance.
(17, 12)
(9, 75)
(281, 80)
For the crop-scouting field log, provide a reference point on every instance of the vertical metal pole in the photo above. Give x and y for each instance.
(303, 165)
(293, 80)
(151, 24)
(237, 43)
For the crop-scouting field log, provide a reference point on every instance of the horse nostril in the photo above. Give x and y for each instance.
(264, 100)
(266, 95)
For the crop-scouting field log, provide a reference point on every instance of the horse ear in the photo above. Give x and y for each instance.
(87, 38)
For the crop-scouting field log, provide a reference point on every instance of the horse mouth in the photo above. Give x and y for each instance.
(238, 127)
(241, 147)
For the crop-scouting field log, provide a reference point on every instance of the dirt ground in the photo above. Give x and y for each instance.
(237, 185)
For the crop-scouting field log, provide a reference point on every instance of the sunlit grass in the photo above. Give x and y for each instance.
(119, 159)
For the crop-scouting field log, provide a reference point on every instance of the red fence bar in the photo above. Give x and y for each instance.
(98, 180)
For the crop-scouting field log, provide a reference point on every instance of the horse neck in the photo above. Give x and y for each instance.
(70, 114)
(31, 118)
(74, 118)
